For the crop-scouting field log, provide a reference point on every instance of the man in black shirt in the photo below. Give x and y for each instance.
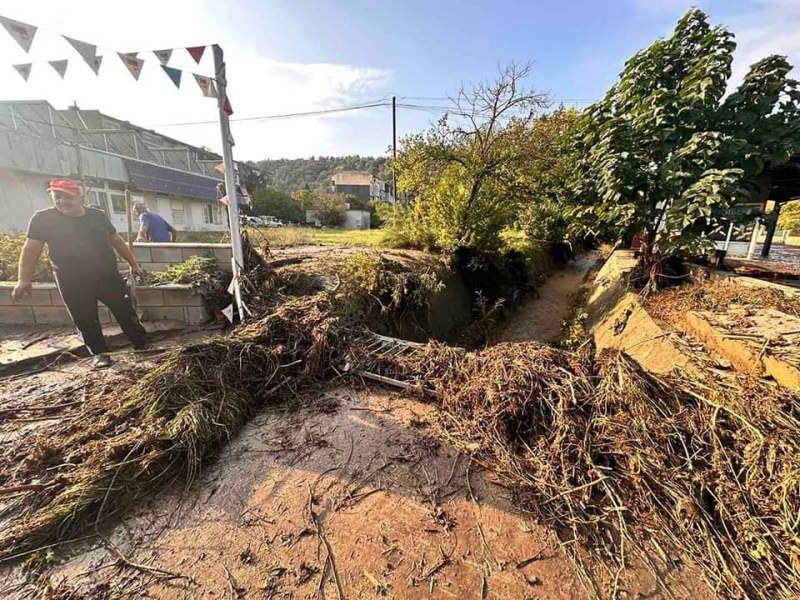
(81, 242)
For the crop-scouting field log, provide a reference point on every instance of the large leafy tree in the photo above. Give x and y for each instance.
(665, 152)
(544, 210)
(461, 174)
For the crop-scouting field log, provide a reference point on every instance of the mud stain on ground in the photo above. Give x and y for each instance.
(541, 316)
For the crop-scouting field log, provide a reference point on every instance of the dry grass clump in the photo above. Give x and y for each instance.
(717, 295)
(129, 442)
(612, 456)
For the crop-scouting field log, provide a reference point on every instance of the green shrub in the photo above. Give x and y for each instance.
(10, 249)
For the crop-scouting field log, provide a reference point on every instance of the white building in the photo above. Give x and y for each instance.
(39, 143)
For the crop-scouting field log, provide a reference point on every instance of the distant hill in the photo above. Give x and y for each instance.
(290, 174)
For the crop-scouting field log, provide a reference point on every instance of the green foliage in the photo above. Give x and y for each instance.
(544, 213)
(462, 175)
(270, 201)
(385, 291)
(203, 275)
(10, 249)
(331, 208)
(291, 174)
(664, 154)
(192, 270)
(790, 216)
(38, 561)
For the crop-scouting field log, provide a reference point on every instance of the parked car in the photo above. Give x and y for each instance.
(249, 221)
(270, 221)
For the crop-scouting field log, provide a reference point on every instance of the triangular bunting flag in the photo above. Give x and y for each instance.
(174, 75)
(206, 85)
(95, 64)
(228, 312)
(163, 55)
(130, 54)
(87, 51)
(196, 52)
(227, 106)
(60, 66)
(134, 64)
(24, 70)
(21, 32)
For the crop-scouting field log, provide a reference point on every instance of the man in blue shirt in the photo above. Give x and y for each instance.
(152, 226)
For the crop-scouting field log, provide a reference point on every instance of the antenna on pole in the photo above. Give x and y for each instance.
(230, 178)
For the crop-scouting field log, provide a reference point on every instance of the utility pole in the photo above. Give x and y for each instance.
(230, 177)
(394, 148)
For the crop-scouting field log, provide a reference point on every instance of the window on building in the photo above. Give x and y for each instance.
(211, 214)
(116, 185)
(99, 200)
(117, 203)
(178, 212)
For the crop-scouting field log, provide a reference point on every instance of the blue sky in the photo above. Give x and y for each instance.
(289, 56)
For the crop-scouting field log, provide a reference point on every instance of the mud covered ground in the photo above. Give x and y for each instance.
(356, 479)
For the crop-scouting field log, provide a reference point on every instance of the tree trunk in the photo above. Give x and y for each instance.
(772, 225)
(473, 195)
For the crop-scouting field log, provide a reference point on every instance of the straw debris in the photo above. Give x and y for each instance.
(614, 457)
(126, 444)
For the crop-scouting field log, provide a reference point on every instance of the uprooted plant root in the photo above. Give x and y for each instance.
(121, 447)
(611, 456)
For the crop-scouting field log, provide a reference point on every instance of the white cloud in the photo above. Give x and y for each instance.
(257, 85)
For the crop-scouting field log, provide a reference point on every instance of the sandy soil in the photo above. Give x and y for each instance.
(541, 316)
(355, 480)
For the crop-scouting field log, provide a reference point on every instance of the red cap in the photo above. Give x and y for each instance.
(65, 186)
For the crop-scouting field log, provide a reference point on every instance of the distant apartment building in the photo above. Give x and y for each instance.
(363, 185)
(38, 142)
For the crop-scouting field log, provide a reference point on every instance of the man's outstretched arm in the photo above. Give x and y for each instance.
(125, 252)
(31, 251)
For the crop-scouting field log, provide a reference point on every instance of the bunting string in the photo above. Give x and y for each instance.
(24, 34)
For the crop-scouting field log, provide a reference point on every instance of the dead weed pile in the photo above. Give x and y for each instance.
(716, 296)
(124, 444)
(614, 457)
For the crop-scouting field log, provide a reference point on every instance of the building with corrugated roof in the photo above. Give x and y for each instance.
(38, 142)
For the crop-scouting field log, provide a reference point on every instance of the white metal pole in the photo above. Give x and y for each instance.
(728, 237)
(754, 239)
(230, 176)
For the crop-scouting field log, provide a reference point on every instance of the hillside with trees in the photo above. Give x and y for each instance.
(290, 174)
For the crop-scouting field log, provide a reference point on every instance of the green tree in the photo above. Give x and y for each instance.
(542, 179)
(790, 216)
(269, 201)
(291, 174)
(460, 174)
(664, 154)
(331, 208)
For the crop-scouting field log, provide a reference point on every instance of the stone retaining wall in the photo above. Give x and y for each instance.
(159, 257)
(44, 306)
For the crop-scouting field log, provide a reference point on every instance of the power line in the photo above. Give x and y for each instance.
(310, 113)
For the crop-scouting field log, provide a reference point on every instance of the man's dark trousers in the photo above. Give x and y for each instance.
(81, 294)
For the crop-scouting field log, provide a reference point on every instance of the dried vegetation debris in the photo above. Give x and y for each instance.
(616, 458)
(131, 440)
(717, 295)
